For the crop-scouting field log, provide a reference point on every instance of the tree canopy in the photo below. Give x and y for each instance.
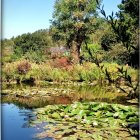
(72, 21)
(126, 24)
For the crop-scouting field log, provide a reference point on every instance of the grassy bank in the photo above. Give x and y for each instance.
(23, 70)
(85, 74)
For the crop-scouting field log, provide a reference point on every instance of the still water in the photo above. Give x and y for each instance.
(15, 123)
(16, 119)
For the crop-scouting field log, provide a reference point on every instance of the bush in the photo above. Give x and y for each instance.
(56, 75)
(9, 72)
(23, 67)
(117, 54)
(33, 56)
(87, 72)
(90, 51)
(34, 73)
(62, 62)
(24, 70)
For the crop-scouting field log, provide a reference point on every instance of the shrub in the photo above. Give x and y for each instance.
(62, 62)
(87, 72)
(117, 54)
(9, 72)
(90, 51)
(23, 67)
(34, 73)
(57, 75)
(46, 71)
(33, 56)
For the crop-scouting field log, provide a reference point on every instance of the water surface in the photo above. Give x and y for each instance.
(15, 123)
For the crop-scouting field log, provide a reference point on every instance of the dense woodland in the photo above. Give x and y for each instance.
(80, 45)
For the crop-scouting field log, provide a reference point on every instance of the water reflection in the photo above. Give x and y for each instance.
(15, 123)
(63, 94)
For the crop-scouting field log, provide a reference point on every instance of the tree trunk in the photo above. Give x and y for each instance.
(75, 52)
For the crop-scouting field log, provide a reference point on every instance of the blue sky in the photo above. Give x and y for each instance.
(23, 16)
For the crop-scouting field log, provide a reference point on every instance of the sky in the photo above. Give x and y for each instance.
(23, 16)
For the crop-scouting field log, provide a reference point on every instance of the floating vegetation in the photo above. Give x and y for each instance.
(88, 121)
(61, 94)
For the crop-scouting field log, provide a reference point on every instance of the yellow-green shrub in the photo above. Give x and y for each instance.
(9, 71)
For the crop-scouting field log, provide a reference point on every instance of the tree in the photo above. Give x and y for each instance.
(126, 26)
(38, 40)
(72, 21)
(6, 49)
(32, 46)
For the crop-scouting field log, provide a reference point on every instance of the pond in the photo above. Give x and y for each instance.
(34, 97)
(15, 123)
(20, 101)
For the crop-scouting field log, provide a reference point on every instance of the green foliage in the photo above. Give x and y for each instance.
(89, 51)
(72, 21)
(18, 53)
(117, 54)
(107, 40)
(126, 26)
(57, 75)
(35, 56)
(133, 93)
(9, 72)
(97, 118)
(32, 46)
(7, 50)
(88, 72)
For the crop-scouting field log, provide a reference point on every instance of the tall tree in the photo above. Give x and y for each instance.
(126, 27)
(126, 24)
(72, 21)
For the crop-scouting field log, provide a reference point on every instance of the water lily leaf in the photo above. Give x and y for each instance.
(95, 123)
(81, 113)
(97, 137)
(109, 114)
(115, 107)
(75, 111)
(96, 108)
(131, 114)
(62, 114)
(68, 109)
(41, 111)
(122, 115)
(116, 114)
(113, 123)
(69, 138)
(55, 115)
(92, 113)
(98, 114)
(133, 119)
(87, 120)
(59, 132)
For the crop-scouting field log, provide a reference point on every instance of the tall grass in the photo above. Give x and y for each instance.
(88, 72)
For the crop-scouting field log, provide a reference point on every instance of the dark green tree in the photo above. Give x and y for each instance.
(125, 25)
(73, 21)
(32, 45)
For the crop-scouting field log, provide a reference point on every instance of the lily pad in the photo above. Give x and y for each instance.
(56, 115)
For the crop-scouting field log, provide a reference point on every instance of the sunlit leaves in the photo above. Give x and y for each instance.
(73, 14)
(88, 120)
